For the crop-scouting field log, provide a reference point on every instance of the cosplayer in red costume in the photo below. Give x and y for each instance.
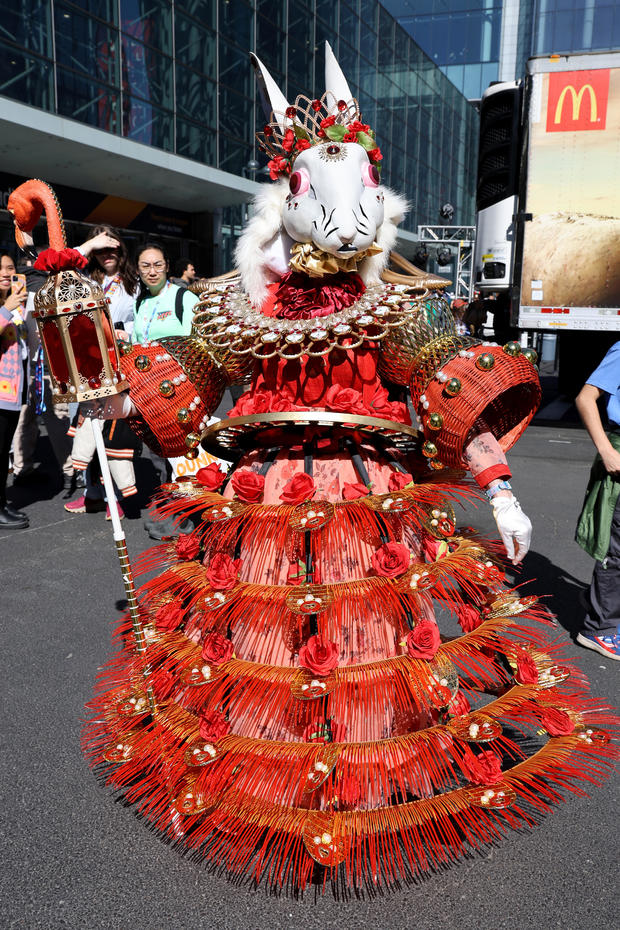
(297, 703)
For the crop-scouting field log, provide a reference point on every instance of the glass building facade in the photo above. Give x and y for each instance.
(465, 38)
(177, 77)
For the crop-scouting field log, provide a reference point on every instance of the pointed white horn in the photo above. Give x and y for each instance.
(272, 97)
(335, 81)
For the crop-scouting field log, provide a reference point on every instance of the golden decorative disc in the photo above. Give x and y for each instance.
(321, 841)
(494, 797)
(475, 728)
(307, 687)
(311, 515)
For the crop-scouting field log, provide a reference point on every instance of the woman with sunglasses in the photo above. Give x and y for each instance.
(162, 308)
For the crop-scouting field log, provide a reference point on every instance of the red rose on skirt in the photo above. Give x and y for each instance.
(391, 560)
(399, 480)
(527, 671)
(435, 549)
(483, 769)
(249, 403)
(211, 477)
(557, 722)
(424, 640)
(345, 400)
(223, 571)
(468, 617)
(319, 656)
(187, 546)
(380, 404)
(213, 724)
(248, 486)
(163, 684)
(351, 490)
(300, 488)
(318, 732)
(216, 648)
(169, 616)
(459, 705)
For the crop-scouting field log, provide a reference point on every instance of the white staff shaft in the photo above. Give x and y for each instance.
(107, 481)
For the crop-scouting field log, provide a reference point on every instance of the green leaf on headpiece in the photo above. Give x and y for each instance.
(365, 140)
(300, 132)
(335, 133)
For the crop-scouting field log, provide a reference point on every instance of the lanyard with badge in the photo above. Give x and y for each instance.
(156, 303)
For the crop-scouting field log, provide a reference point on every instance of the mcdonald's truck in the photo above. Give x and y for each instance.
(548, 202)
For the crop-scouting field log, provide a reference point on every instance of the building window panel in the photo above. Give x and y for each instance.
(368, 45)
(235, 68)
(149, 22)
(145, 123)
(147, 73)
(106, 10)
(236, 114)
(274, 10)
(236, 23)
(195, 141)
(205, 11)
(349, 23)
(26, 78)
(86, 45)
(234, 155)
(28, 24)
(196, 97)
(270, 45)
(87, 101)
(602, 30)
(194, 46)
(327, 10)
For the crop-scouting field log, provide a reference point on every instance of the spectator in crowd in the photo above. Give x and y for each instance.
(503, 331)
(162, 309)
(13, 357)
(598, 528)
(475, 316)
(184, 272)
(110, 267)
(458, 307)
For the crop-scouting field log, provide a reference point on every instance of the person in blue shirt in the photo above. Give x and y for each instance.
(598, 529)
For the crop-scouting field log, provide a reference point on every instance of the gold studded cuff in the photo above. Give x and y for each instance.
(174, 405)
(497, 385)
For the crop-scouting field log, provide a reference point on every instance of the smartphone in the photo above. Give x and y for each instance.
(18, 282)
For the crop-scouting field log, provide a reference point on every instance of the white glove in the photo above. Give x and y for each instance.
(514, 526)
(116, 407)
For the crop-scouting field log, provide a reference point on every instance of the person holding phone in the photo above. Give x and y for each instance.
(12, 379)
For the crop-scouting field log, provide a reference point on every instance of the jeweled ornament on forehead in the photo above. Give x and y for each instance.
(331, 151)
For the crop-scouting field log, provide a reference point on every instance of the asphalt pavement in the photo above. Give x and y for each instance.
(75, 858)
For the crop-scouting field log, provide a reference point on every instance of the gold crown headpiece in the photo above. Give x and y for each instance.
(314, 122)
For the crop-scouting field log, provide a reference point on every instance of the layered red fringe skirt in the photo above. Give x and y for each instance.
(295, 716)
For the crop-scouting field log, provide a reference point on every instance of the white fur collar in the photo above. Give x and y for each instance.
(263, 250)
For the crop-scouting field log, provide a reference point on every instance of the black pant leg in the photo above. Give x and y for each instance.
(604, 593)
(8, 425)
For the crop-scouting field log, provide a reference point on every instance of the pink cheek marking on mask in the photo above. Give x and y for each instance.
(299, 183)
(370, 176)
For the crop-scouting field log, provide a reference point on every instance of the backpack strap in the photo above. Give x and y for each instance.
(178, 304)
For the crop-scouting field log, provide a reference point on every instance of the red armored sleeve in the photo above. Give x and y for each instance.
(175, 385)
(486, 384)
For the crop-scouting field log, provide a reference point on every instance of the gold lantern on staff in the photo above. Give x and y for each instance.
(77, 335)
(71, 311)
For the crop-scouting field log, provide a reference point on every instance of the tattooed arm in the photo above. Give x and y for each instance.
(486, 460)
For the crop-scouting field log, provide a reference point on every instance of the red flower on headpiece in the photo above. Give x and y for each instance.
(302, 144)
(278, 166)
(327, 122)
(356, 126)
(350, 137)
(375, 155)
(288, 141)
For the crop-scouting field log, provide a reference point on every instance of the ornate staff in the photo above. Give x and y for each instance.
(80, 348)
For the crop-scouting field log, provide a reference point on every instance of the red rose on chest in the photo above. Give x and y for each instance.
(424, 640)
(391, 560)
(169, 617)
(211, 477)
(248, 486)
(187, 546)
(298, 489)
(223, 571)
(399, 480)
(213, 725)
(216, 648)
(344, 400)
(319, 656)
(353, 490)
(482, 769)
(557, 722)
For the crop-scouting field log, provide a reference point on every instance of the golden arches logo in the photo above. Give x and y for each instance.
(577, 98)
